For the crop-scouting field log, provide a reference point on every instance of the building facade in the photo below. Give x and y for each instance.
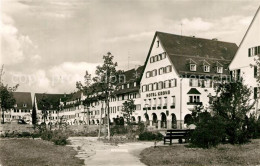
(22, 108)
(179, 75)
(244, 64)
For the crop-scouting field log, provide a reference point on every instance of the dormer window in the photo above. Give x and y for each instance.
(206, 68)
(51, 106)
(24, 105)
(193, 67)
(220, 69)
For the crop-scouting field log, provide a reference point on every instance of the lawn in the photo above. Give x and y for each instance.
(27, 152)
(178, 154)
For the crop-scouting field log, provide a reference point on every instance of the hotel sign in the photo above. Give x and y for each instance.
(167, 92)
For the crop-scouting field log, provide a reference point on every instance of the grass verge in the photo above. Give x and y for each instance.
(247, 154)
(27, 152)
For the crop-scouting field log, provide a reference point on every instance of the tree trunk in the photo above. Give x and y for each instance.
(99, 125)
(3, 115)
(108, 121)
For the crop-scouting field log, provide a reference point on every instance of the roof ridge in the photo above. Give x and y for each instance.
(195, 37)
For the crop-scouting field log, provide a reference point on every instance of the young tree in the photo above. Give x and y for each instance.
(128, 109)
(107, 79)
(7, 100)
(87, 89)
(232, 104)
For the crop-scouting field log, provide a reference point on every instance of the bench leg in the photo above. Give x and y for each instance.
(170, 141)
(164, 141)
(180, 140)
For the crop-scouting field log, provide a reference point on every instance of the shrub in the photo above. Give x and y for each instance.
(118, 129)
(47, 135)
(209, 132)
(150, 136)
(59, 138)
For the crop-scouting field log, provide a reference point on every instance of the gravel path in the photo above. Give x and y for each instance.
(97, 153)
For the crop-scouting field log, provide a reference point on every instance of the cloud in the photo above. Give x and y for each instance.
(58, 79)
(196, 24)
(14, 46)
(136, 37)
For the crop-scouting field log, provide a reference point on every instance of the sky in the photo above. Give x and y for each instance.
(47, 45)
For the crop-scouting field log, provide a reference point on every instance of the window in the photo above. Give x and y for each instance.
(165, 101)
(156, 58)
(152, 59)
(160, 101)
(154, 72)
(160, 85)
(148, 74)
(207, 83)
(220, 70)
(155, 86)
(253, 51)
(154, 102)
(150, 88)
(164, 55)
(206, 68)
(160, 57)
(167, 84)
(15, 105)
(194, 99)
(144, 88)
(134, 84)
(161, 71)
(158, 43)
(122, 86)
(24, 105)
(168, 69)
(173, 100)
(173, 83)
(194, 82)
(128, 85)
(255, 92)
(150, 102)
(193, 67)
(255, 71)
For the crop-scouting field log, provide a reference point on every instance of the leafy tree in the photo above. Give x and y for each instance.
(45, 104)
(128, 109)
(7, 100)
(232, 104)
(107, 80)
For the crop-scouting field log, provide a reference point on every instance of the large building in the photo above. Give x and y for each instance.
(179, 75)
(22, 108)
(244, 64)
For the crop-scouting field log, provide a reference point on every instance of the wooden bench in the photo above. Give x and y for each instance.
(177, 134)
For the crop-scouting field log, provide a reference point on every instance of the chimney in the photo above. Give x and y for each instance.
(215, 39)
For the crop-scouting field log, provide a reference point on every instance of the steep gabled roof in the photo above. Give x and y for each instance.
(54, 99)
(181, 50)
(23, 98)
